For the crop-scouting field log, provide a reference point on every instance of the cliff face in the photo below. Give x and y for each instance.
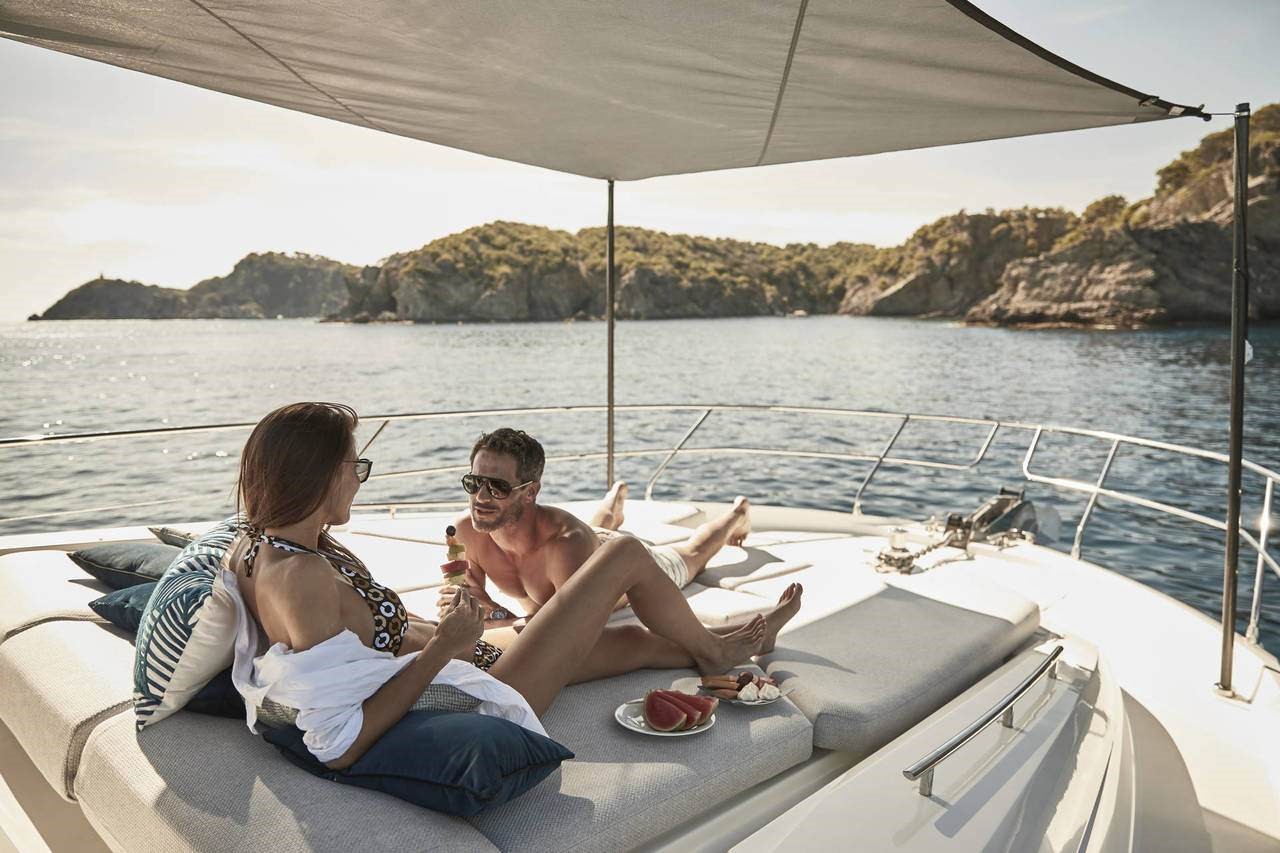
(951, 264)
(502, 271)
(1164, 259)
(275, 285)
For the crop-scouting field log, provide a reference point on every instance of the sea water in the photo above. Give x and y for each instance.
(1168, 385)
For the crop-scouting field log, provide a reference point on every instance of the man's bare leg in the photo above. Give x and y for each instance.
(552, 648)
(728, 529)
(626, 648)
(609, 514)
(788, 606)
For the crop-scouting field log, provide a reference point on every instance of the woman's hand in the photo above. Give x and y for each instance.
(461, 624)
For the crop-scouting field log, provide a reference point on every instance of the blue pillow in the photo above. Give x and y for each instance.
(123, 608)
(218, 698)
(188, 630)
(459, 764)
(124, 564)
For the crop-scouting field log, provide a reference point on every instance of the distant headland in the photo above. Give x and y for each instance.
(1164, 259)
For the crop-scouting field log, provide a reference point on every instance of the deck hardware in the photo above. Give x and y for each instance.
(923, 769)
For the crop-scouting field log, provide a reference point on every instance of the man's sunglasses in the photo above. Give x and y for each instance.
(364, 468)
(500, 489)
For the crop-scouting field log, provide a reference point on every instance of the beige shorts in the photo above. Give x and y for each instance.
(667, 558)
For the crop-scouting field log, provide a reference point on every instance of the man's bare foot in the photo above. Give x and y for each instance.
(734, 648)
(742, 529)
(788, 606)
(609, 514)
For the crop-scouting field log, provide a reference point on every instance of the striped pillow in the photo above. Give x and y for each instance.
(188, 631)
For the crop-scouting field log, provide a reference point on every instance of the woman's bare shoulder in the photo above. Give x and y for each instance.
(301, 591)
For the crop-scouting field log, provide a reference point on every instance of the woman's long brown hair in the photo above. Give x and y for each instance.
(289, 464)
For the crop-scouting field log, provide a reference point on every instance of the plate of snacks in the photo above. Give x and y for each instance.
(743, 688)
(668, 713)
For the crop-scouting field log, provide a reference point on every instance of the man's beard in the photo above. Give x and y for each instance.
(510, 515)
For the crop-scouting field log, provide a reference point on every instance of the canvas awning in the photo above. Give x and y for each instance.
(611, 88)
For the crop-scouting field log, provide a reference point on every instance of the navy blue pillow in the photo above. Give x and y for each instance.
(218, 698)
(123, 608)
(124, 564)
(460, 764)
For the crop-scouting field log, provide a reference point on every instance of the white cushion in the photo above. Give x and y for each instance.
(871, 655)
(623, 789)
(201, 783)
(37, 586)
(733, 567)
(60, 679)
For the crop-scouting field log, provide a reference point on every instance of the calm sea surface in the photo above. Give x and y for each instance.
(1166, 385)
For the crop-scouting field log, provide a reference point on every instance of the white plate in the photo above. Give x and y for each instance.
(787, 692)
(630, 715)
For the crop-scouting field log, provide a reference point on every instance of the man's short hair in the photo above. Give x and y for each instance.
(515, 442)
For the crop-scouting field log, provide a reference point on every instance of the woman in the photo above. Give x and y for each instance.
(298, 475)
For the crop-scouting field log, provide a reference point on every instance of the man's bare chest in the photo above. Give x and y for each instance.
(526, 579)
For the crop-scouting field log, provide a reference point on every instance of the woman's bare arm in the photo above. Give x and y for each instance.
(458, 630)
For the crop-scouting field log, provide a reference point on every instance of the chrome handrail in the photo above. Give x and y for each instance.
(923, 769)
(1095, 490)
(1264, 528)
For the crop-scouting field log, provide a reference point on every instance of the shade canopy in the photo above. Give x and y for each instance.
(621, 89)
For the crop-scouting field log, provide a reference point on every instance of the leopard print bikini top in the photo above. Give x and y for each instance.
(390, 620)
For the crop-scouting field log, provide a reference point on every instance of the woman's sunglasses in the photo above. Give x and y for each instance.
(500, 489)
(364, 467)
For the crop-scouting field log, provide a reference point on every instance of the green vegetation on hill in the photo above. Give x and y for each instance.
(1217, 149)
(1157, 260)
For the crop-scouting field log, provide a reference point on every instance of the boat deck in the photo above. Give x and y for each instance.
(1214, 751)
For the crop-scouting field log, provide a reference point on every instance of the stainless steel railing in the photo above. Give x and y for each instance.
(1096, 489)
(923, 769)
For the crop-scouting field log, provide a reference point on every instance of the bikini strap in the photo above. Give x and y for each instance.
(258, 537)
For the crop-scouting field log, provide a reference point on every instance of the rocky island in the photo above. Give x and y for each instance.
(1165, 259)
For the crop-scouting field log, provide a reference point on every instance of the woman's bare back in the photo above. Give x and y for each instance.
(280, 578)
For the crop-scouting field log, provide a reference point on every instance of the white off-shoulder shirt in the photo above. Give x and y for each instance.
(329, 682)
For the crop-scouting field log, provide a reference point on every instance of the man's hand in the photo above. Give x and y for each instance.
(447, 592)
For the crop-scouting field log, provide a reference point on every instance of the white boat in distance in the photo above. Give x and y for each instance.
(951, 686)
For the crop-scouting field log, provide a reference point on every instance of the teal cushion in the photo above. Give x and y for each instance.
(187, 633)
(459, 764)
(124, 564)
(123, 608)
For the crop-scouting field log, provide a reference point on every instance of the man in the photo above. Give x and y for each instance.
(529, 550)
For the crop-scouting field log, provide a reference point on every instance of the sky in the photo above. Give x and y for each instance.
(111, 172)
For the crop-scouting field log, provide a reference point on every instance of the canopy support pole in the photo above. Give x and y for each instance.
(609, 298)
(1239, 330)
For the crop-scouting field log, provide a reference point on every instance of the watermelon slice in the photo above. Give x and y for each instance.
(700, 706)
(662, 714)
(682, 701)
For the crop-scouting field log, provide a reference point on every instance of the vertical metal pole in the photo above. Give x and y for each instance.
(609, 281)
(1239, 329)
